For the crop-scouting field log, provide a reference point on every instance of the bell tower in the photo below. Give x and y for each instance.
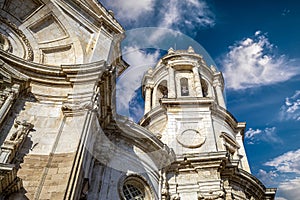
(185, 106)
(185, 109)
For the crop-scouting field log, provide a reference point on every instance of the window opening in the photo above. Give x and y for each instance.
(184, 85)
(132, 193)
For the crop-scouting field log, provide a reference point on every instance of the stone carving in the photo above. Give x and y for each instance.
(22, 129)
(212, 195)
(175, 197)
(191, 138)
(21, 35)
(4, 43)
(77, 107)
(10, 158)
(164, 192)
(9, 149)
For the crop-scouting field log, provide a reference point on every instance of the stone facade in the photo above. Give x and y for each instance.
(185, 108)
(61, 137)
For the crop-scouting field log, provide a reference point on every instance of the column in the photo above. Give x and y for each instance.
(172, 86)
(8, 102)
(219, 93)
(197, 82)
(148, 98)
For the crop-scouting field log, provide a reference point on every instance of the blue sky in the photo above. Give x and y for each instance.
(256, 44)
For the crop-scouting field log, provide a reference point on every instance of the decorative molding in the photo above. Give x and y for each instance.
(42, 26)
(48, 55)
(229, 142)
(213, 195)
(21, 35)
(191, 138)
(5, 44)
(138, 181)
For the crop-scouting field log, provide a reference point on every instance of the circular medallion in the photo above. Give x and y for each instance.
(191, 138)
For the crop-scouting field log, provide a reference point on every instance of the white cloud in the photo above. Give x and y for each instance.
(286, 173)
(186, 13)
(130, 9)
(289, 189)
(280, 198)
(131, 79)
(267, 177)
(173, 14)
(267, 135)
(288, 162)
(251, 63)
(251, 133)
(291, 108)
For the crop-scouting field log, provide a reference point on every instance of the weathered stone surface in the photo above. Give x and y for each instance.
(185, 108)
(61, 138)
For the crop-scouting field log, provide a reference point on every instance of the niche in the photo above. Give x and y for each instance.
(204, 88)
(162, 91)
(184, 87)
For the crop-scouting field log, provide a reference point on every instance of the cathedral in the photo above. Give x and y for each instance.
(60, 135)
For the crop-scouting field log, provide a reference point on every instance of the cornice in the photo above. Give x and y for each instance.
(187, 101)
(250, 183)
(153, 114)
(228, 117)
(56, 75)
(99, 13)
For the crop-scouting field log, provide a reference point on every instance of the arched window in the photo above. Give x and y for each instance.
(163, 89)
(134, 187)
(184, 87)
(132, 192)
(161, 92)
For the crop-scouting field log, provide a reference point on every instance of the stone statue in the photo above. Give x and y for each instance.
(4, 43)
(22, 129)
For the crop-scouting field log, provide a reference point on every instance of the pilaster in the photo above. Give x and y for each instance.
(197, 82)
(219, 90)
(148, 97)
(172, 85)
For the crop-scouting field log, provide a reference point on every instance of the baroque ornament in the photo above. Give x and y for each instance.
(21, 35)
(191, 138)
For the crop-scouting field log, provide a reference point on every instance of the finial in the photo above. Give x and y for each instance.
(111, 13)
(150, 70)
(171, 51)
(190, 49)
(213, 68)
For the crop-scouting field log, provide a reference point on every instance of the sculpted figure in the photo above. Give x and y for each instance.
(4, 43)
(22, 129)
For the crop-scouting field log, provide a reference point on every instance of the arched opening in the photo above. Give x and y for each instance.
(135, 188)
(161, 92)
(184, 87)
(132, 192)
(163, 89)
(204, 88)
